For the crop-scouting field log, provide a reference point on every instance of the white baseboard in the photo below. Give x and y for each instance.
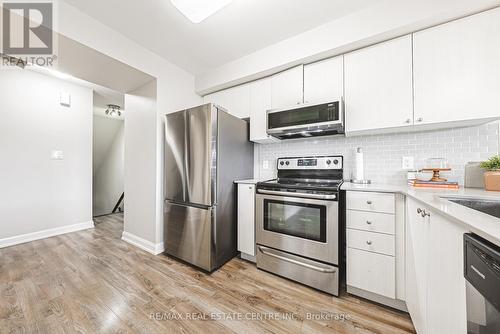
(143, 244)
(21, 239)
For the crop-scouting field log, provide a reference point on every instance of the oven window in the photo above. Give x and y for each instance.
(306, 221)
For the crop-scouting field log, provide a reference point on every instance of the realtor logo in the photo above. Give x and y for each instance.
(27, 28)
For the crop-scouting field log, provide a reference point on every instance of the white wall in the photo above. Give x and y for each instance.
(383, 153)
(384, 20)
(108, 180)
(37, 193)
(140, 147)
(175, 91)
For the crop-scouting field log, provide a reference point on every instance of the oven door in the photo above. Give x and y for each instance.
(301, 226)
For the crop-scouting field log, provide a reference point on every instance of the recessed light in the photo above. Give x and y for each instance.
(199, 10)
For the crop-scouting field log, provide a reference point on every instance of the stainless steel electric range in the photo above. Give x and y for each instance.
(298, 221)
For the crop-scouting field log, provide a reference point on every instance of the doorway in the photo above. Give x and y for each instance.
(108, 153)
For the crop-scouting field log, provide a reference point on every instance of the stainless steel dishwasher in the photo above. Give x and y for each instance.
(482, 272)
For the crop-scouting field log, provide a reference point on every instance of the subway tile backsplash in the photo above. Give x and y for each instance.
(383, 153)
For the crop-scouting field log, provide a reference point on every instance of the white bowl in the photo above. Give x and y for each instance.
(425, 176)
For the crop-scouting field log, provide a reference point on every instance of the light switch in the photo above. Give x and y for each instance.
(65, 99)
(265, 164)
(56, 155)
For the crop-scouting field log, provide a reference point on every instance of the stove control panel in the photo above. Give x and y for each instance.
(328, 162)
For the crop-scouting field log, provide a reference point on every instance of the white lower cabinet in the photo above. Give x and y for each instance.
(435, 285)
(372, 272)
(246, 220)
(375, 247)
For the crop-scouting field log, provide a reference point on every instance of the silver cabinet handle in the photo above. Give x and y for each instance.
(369, 202)
(295, 194)
(423, 213)
(306, 265)
(480, 274)
(420, 119)
(369, 222)
(369, 242)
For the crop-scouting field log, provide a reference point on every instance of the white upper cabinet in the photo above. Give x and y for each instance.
(236, 100)
(378, 86)
(260, 102)
(324, 80)
(457, 70)
(287, 88)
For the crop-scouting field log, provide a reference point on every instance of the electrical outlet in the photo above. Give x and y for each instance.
(408, 163)
(265, 164)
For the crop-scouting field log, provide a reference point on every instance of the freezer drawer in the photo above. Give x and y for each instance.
(314, 274)
(188, 234)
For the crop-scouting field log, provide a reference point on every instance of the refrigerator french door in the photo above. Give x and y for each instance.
(206, 149)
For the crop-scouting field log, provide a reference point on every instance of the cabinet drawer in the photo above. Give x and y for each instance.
(369, 201)
(372, 242)
(371, 272)
(371, 221)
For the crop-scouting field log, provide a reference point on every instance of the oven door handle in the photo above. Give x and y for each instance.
(306, 265)
(295, 194)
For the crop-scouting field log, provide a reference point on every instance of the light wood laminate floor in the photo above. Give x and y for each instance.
(92, 282)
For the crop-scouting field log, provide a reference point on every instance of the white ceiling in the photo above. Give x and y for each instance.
(239, 29)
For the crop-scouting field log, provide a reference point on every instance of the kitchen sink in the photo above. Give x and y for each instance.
(490, 207)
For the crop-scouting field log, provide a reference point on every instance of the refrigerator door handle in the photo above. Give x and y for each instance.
(191, 205)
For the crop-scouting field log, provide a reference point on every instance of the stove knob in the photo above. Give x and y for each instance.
(287, 163)
(282, 163)
(328, 162)
(336, 162)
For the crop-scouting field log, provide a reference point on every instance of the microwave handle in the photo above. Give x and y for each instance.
(295, 194)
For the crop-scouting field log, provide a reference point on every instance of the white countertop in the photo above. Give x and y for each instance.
(250, 181)
(480, 223)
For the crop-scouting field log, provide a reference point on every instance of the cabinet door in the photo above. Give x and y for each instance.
(220, 98)
(378, 86)
(457, 69)
(235, 100)
(239, 101)
(416, 265)
(260, 102)
(324, 80)
(446, 305)
(246, 218)
(287, 88)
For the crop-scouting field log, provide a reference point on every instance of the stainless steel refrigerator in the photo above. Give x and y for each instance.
(206, 150)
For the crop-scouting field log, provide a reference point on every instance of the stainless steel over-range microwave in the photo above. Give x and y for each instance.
(306, 120)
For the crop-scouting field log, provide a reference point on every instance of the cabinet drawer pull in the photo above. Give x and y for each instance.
(369, 202)
(369, 242)
(369, 222)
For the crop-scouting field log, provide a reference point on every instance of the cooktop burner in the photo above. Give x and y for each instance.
(309, 174)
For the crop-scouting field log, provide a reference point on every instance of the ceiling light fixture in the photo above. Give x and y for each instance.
(198, 10)
(113, 110)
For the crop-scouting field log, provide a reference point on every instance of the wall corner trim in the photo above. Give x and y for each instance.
(143, 244)
(24, 238)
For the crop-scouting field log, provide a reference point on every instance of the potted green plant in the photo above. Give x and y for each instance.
(492, 174)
